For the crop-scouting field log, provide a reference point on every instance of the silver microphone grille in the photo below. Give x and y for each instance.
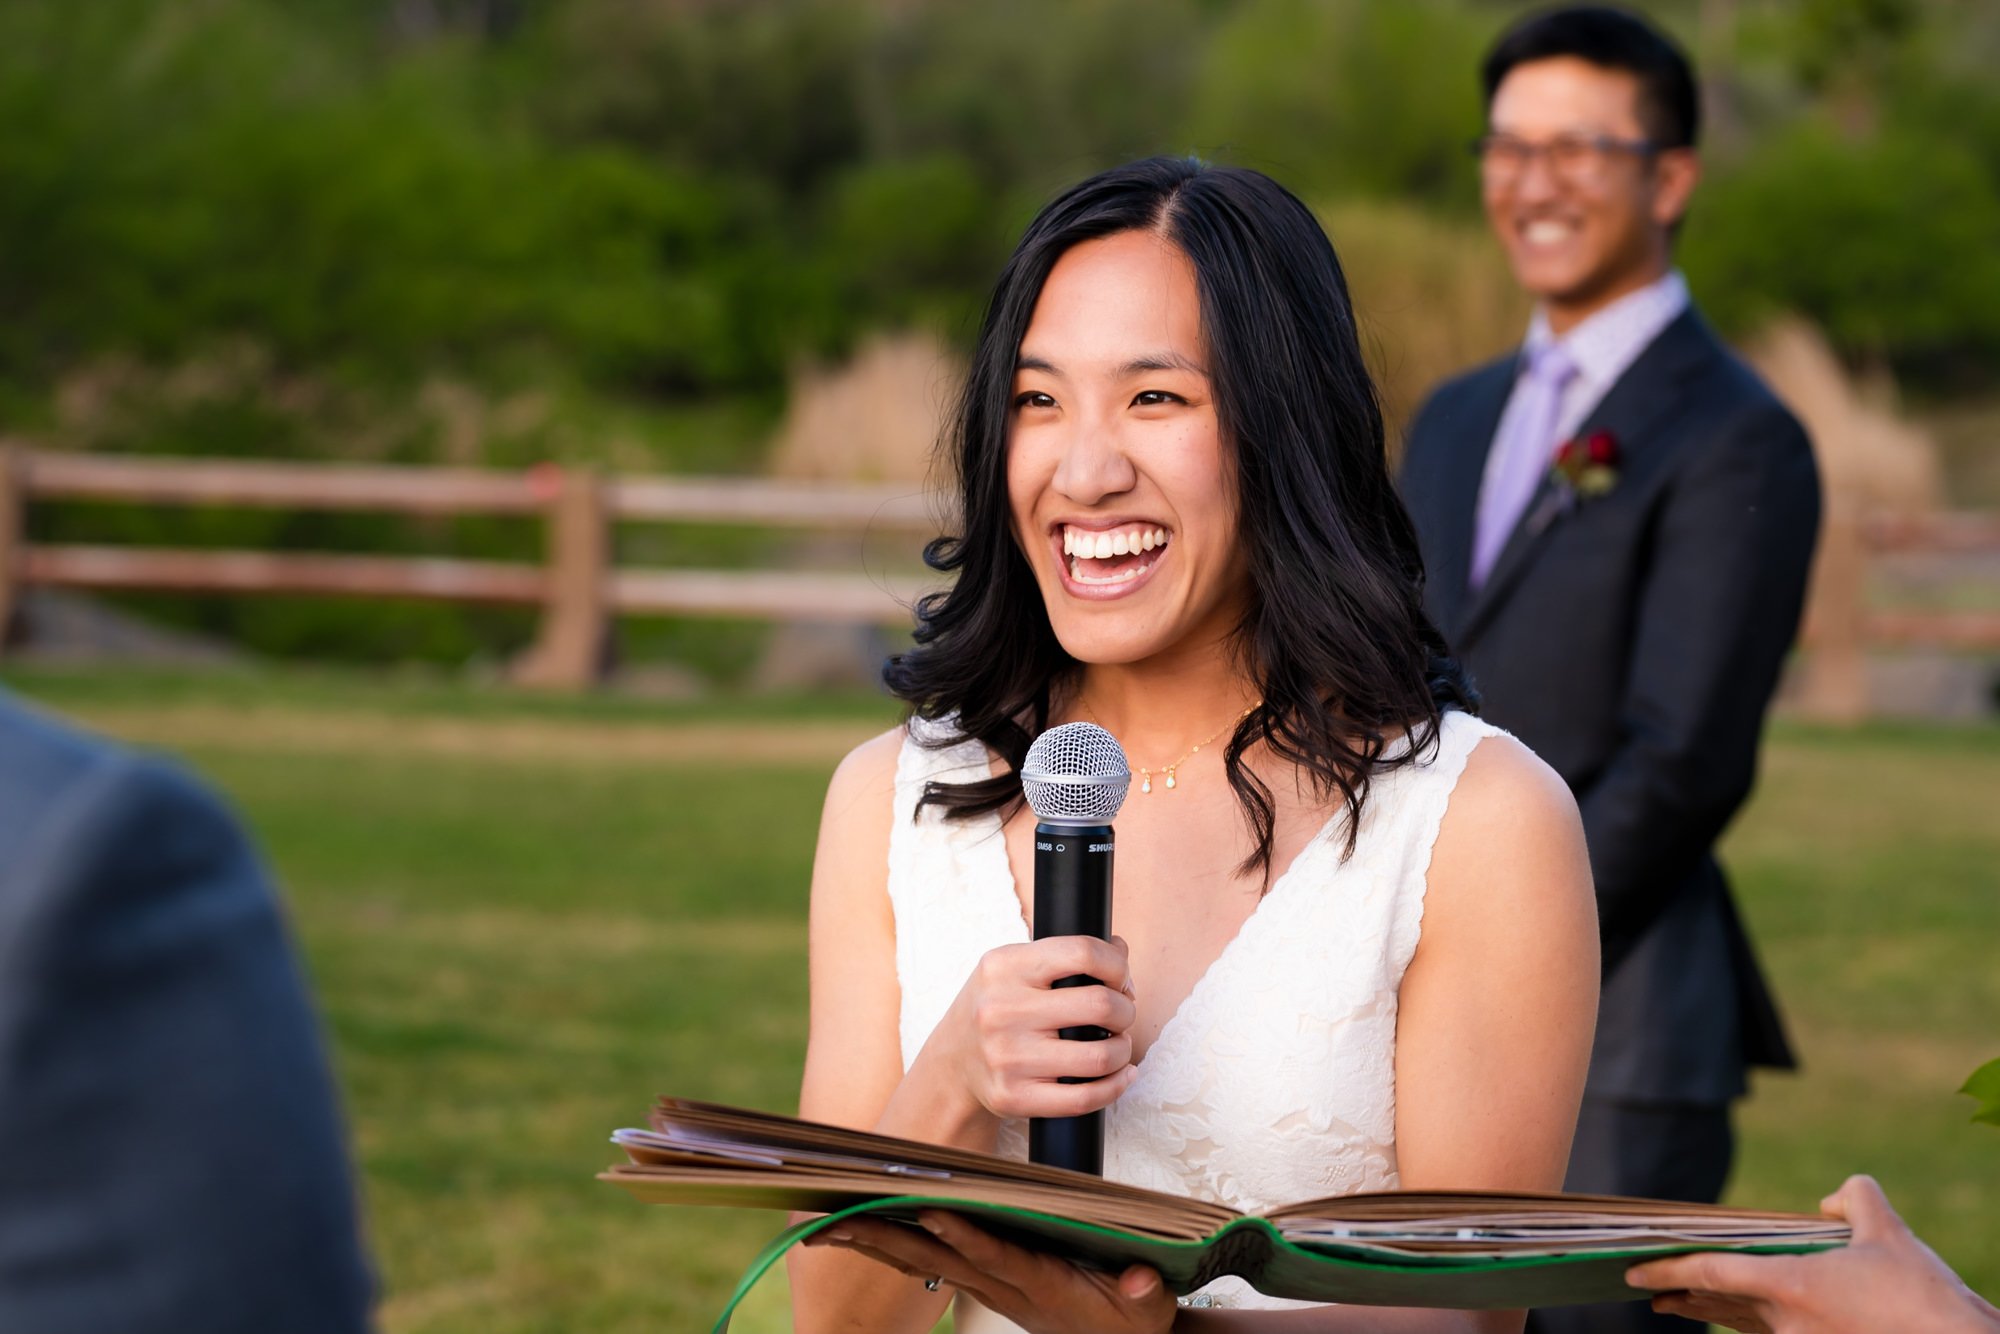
(1076, 773)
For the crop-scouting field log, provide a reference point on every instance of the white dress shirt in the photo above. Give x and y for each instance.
(1605, 345)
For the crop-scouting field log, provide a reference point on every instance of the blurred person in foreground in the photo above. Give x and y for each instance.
(171, 1156)
(1617, 521)
(1356, 948)
(1885, 1279)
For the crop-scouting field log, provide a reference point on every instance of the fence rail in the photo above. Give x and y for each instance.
(577, 585)
(581, 591)
(1948, 532)
(261, 485)
(1843, 627)
(164, 570)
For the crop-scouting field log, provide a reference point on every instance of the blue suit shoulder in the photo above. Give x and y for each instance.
(43, 762)
(98, 835)
(1473, 377)
(1449, 396)
(1733, 381)
(1463, 405)
(168, 1123)
(1746, 425)
(82, 816)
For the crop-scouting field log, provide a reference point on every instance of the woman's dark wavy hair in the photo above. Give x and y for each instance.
(1335, 636)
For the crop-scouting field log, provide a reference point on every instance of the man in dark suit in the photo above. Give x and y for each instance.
(1617, 522)
(171, 1156)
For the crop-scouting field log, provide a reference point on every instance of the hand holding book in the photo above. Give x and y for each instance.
(1469, 1250)
(1018, 1283)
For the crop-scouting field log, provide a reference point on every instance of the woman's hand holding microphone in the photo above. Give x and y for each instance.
(1000, 1048)
(1000, 1041)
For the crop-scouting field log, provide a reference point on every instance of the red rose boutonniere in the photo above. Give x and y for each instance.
(1588, 466)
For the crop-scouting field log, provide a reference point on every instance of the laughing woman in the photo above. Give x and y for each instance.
(1357, 942)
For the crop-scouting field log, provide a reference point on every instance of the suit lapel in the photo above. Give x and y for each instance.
(1633, 407)
(1486, 397)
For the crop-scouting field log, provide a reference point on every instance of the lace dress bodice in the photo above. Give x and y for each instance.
(1275, 1080)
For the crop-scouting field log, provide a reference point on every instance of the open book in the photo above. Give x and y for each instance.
(1464, 1249)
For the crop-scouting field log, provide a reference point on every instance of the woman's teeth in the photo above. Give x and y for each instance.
(1082, 546)
(1103, 546)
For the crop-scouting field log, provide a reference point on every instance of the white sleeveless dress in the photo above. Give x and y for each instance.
(1275, 1080)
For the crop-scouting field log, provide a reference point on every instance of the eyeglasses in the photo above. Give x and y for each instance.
(1574, 159)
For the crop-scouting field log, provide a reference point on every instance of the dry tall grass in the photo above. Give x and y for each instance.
(1433, 297)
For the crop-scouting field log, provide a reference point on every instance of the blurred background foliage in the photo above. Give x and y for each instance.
(495, 231)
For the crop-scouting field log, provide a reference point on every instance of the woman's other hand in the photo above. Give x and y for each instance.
(1040, 1293)
(1000, 1040)
(1884, 1279)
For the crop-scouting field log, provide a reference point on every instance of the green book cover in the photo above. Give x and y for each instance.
(1466, 1250)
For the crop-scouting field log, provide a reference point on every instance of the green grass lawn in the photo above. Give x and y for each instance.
(516, 951)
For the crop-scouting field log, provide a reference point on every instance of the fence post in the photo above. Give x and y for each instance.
(570, 649)
(13, 534)
(1835, 682)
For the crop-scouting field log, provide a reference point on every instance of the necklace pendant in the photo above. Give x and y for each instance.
(1146, 775)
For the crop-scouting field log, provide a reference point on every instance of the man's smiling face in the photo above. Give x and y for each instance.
(1587, 213)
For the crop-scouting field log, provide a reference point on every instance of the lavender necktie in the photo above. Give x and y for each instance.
(1520, 455)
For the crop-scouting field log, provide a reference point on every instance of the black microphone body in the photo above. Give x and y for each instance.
(1072, 898)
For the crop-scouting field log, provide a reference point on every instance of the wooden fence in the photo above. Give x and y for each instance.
(578, 587)
(1845, 623)
(581, 590)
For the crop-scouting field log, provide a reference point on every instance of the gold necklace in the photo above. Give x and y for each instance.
(1145, 774)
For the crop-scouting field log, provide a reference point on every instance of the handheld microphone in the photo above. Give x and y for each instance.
(1075, 778)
